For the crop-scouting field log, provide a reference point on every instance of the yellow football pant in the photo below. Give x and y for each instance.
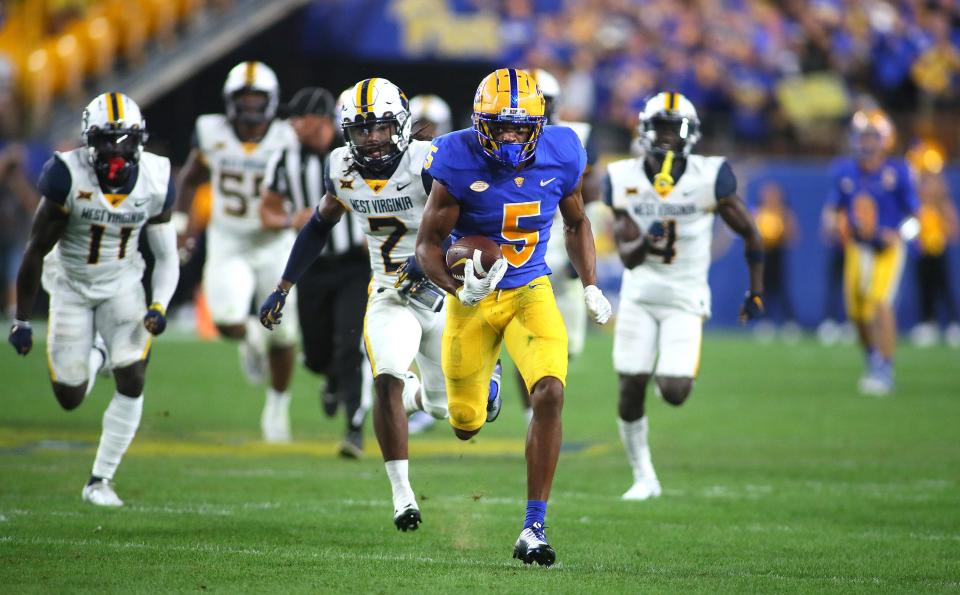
(870, 278)
(527, 318)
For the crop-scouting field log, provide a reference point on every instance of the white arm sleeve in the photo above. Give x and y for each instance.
(166, 268)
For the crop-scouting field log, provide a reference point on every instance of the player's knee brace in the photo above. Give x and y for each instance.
(69, 397)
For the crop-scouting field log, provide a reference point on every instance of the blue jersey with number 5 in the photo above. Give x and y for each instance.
(514, 208)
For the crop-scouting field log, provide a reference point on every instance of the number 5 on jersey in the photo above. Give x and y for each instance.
(518, 255)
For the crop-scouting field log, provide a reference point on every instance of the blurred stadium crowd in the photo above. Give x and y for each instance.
(769, 77)
(777, 68)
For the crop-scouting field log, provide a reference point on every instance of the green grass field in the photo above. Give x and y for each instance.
(777, 476)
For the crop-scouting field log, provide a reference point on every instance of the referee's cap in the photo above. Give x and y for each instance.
(311, 101)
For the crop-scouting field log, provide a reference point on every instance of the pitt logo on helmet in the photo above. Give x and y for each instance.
(508, 116)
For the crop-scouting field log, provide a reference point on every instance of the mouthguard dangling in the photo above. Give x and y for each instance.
(663, 181)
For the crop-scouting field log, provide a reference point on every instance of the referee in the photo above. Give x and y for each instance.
(332, 296)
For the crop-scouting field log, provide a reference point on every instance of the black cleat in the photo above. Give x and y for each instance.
(407, 520)
(532, 547)
(329, 403)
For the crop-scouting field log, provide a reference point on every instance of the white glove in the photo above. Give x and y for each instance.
(475, 289)
(597, 305)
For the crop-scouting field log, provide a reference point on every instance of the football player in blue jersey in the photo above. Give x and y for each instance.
(876, 203)
(503, 179)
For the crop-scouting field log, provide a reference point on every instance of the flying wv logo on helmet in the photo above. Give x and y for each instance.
(509, 99)
(114, 133)
(669, 127)
(376, 123)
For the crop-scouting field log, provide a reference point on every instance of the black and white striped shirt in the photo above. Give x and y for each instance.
(298, 175)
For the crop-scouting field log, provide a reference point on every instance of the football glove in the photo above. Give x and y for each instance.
(155, 320)
(272, 309)
(598, 306)
(21, 336)
(474, 289)
(752, 307)
(409, 271)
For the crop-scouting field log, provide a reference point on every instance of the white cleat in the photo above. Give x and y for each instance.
(874, 386)
(275, 424)
(253, 362)
(101, 493)
(419, 422)
(642, 490)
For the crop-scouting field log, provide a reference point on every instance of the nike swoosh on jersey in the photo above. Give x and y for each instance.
(545, 182)
(399, 187)
(141, 203)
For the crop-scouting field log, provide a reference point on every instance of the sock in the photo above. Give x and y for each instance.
(276, 405)
(400, 484)
(634, 437)
(278, 399)
(536, 512)
(120, 422)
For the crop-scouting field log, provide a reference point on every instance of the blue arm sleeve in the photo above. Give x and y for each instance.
(427, 181)
(726, 182)
(55, 181)
(310, 242)
(607, 191)
(171, 195)
(328, 186)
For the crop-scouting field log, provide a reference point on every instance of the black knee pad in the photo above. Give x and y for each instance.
(131, 379)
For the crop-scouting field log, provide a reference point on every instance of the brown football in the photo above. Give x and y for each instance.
(481, 249)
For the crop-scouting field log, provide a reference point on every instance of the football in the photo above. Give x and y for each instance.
(482, 250)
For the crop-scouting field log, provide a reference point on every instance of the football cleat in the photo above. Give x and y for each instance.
(875, 385)
(101, 493)
(420, 422)
(407, 519)
(642, 490)
(97, 364)
(532, 547)
(329, 402)
(494, 402)
(352, 445)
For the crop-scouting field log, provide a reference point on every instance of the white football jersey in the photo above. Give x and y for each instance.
(674, 272)
(98, 252)
(237, 170)
(556, 256)
(390, 210)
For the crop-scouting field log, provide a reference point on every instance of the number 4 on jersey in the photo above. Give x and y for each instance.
(663, 235)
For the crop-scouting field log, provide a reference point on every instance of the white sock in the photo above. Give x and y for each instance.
(278, 402)
(120, 422)
(400, 484)
(634, 437)
(411, 387)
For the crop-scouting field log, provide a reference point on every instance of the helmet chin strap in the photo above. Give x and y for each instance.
(663, 181)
